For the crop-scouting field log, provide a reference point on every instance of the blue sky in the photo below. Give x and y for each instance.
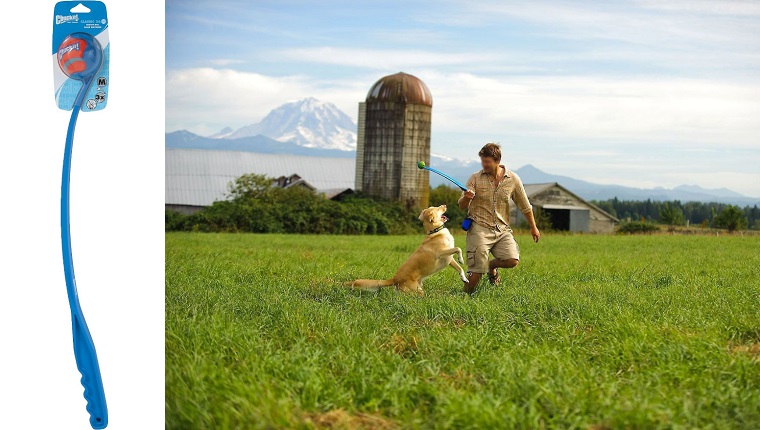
(637, 93)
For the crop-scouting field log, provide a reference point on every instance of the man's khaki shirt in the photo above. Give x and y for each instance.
(490, 206)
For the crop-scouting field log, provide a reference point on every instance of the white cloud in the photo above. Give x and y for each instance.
(724, 7)
(678, 110)
(632, 131)
(204, 100)
(681, 37)
(646, 22)
(224, 62)
(378, 59)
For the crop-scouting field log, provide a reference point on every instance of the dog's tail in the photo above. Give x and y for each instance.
(370, 284)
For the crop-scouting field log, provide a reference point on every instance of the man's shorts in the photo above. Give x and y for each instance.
(482, 240)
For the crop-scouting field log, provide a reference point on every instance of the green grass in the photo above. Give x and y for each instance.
(587, 332)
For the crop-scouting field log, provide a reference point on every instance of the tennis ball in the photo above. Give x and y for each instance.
(421, 165)
(71, 55)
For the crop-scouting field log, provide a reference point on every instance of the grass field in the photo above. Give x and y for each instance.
(640, 332)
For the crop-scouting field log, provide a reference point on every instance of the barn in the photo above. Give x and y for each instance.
(567, 211)
(196, 178)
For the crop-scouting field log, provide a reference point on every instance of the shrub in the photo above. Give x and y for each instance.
(445, 195)
(634, 227)
(671, 215)
(174, 221)
(255, 206)
(731, 218)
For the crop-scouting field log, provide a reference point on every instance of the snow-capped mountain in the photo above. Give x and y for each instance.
(223, 133)
(308, 122)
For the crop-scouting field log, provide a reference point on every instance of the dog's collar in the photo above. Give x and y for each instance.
(437, 229)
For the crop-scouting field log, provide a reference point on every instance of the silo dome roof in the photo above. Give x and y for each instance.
(400, 87)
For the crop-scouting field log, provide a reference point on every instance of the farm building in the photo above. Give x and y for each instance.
(568, 212)
(293, 180)
(196, 178)
(393, 135)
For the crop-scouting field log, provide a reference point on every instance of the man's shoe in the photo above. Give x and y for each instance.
(494, 278)
(469, 290)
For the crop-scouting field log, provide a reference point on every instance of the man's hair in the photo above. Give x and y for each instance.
(492, 150)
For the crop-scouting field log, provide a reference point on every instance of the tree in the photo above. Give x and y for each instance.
(671, 215)
(445, 195)
(753, 216)
(607, 206)
(250, 186)
(732, 218)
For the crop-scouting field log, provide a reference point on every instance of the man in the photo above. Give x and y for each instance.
(487, 200)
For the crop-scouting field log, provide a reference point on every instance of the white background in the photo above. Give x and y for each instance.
(116, 225)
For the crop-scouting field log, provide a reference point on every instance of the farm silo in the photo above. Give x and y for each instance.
(393, 135)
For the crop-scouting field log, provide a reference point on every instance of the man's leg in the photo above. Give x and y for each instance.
(506, 254)
(477, 264)
(497, 263)
(479, 241)
(472, 282)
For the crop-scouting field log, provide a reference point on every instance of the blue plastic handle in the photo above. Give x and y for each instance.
(462, 187)
(84, 348)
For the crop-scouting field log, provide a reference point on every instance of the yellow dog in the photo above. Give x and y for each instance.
(436, 252)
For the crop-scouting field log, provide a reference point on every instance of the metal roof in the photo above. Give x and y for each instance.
(197, 177)
(567, 207)
(533, 189)
(335, 192)
(400, 87)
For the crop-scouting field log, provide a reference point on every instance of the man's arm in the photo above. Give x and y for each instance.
(532, 223)
(467, 196)
(521, 198)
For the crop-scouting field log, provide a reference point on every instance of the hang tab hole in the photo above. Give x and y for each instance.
(80, 8)
(98, 419)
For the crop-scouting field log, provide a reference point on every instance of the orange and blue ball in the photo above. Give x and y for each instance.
(79, 54)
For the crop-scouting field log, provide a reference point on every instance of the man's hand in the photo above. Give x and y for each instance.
(464, 201)
(535, 233)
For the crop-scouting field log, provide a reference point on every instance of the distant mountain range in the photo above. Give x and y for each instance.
(308, 122)
(261, 144)
(313, 128)
(592, 191)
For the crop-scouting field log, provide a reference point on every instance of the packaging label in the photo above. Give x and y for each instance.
(72, 17)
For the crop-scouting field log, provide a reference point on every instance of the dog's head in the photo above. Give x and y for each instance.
(433, 216)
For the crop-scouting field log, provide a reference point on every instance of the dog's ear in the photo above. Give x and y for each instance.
(433, 213)
(422, 215)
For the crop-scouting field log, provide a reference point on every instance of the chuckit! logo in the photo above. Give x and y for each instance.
(60, 19)
(68, 48)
